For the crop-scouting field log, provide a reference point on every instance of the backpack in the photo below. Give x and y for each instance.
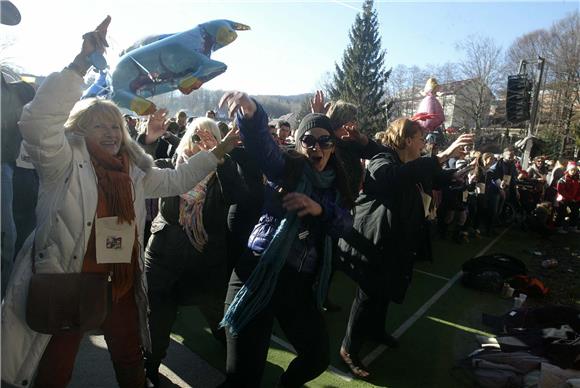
(489, 272)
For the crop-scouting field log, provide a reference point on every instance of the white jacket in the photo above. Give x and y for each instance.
(67, 202)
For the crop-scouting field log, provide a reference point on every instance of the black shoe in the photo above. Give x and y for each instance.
(388, 340)
(152, 375)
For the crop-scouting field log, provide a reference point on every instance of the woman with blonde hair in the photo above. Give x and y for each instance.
(93, 184)
(390, 215)
(186, 258)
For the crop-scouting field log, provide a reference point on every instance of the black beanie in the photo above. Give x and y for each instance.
(313, 120)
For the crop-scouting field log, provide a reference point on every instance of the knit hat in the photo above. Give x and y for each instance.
(9, 14)
(312, 120)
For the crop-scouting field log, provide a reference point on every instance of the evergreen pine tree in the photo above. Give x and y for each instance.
(361, 79)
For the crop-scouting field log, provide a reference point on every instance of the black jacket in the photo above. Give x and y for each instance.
(351, 154)
(391, 231)
(224, 188)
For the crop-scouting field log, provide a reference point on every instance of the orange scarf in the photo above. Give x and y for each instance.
(115, 199)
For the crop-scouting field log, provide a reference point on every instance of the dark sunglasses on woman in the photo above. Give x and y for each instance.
(309, 141)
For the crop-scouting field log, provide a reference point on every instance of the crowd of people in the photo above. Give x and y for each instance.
(248, 221)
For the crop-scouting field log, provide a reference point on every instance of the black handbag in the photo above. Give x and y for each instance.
(66, 302)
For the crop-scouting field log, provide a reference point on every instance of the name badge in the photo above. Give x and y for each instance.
(114, 241)
(507, 179)
(480, 188)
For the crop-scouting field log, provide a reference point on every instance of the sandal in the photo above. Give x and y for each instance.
(356, 367)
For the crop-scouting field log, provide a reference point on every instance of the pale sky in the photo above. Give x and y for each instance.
(292, 44)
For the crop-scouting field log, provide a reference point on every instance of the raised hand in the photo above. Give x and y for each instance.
(231, 140)
(93, 42)
(238, 102)
(157, 125)
(96, 40)
(301, 203)
(350, 132)
(207, 139)
(456, 149)
(317, 103)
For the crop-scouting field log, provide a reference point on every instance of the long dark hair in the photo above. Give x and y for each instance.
(294, 168)
(343, 183)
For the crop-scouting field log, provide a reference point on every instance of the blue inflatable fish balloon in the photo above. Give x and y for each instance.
(163, 63)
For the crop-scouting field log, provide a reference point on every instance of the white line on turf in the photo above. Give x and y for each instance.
(372, 356)
(333, 370)
(431, 274)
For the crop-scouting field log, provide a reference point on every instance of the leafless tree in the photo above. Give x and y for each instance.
(560, 101)
(483, 66)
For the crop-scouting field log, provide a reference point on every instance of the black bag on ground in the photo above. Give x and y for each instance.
(489, 272)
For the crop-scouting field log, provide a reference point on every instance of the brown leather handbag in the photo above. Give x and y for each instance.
(65, 302)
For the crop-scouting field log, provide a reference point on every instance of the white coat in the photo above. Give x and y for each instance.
(67, 203)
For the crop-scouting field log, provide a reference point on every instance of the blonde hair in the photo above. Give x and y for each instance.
(487, 156)
(398, 132)
(86, 112)
(200, 123)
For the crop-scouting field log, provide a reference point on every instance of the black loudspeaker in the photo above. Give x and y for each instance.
(519, 90)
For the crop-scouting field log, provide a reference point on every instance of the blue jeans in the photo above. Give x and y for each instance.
(8, 226)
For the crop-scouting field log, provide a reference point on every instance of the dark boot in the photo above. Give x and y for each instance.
(152, 373)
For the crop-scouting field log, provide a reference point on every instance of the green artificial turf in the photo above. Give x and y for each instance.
(428, 350)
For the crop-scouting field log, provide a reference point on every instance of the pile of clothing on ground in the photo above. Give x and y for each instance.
(533, 347)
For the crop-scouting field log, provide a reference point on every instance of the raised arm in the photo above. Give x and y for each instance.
(253, 124)
(42, 120)
(385, 174)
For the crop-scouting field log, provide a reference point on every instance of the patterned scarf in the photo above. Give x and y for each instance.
(191, 210)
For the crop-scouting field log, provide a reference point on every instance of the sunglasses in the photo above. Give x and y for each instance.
(309, 141)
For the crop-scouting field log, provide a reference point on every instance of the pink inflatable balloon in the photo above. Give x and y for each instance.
(432, 106)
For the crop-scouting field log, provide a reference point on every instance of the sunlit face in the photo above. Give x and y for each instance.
(318, 146)
(283, 132)
(509, 155)
(488, 161)
(106, 133)
(415, 144)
